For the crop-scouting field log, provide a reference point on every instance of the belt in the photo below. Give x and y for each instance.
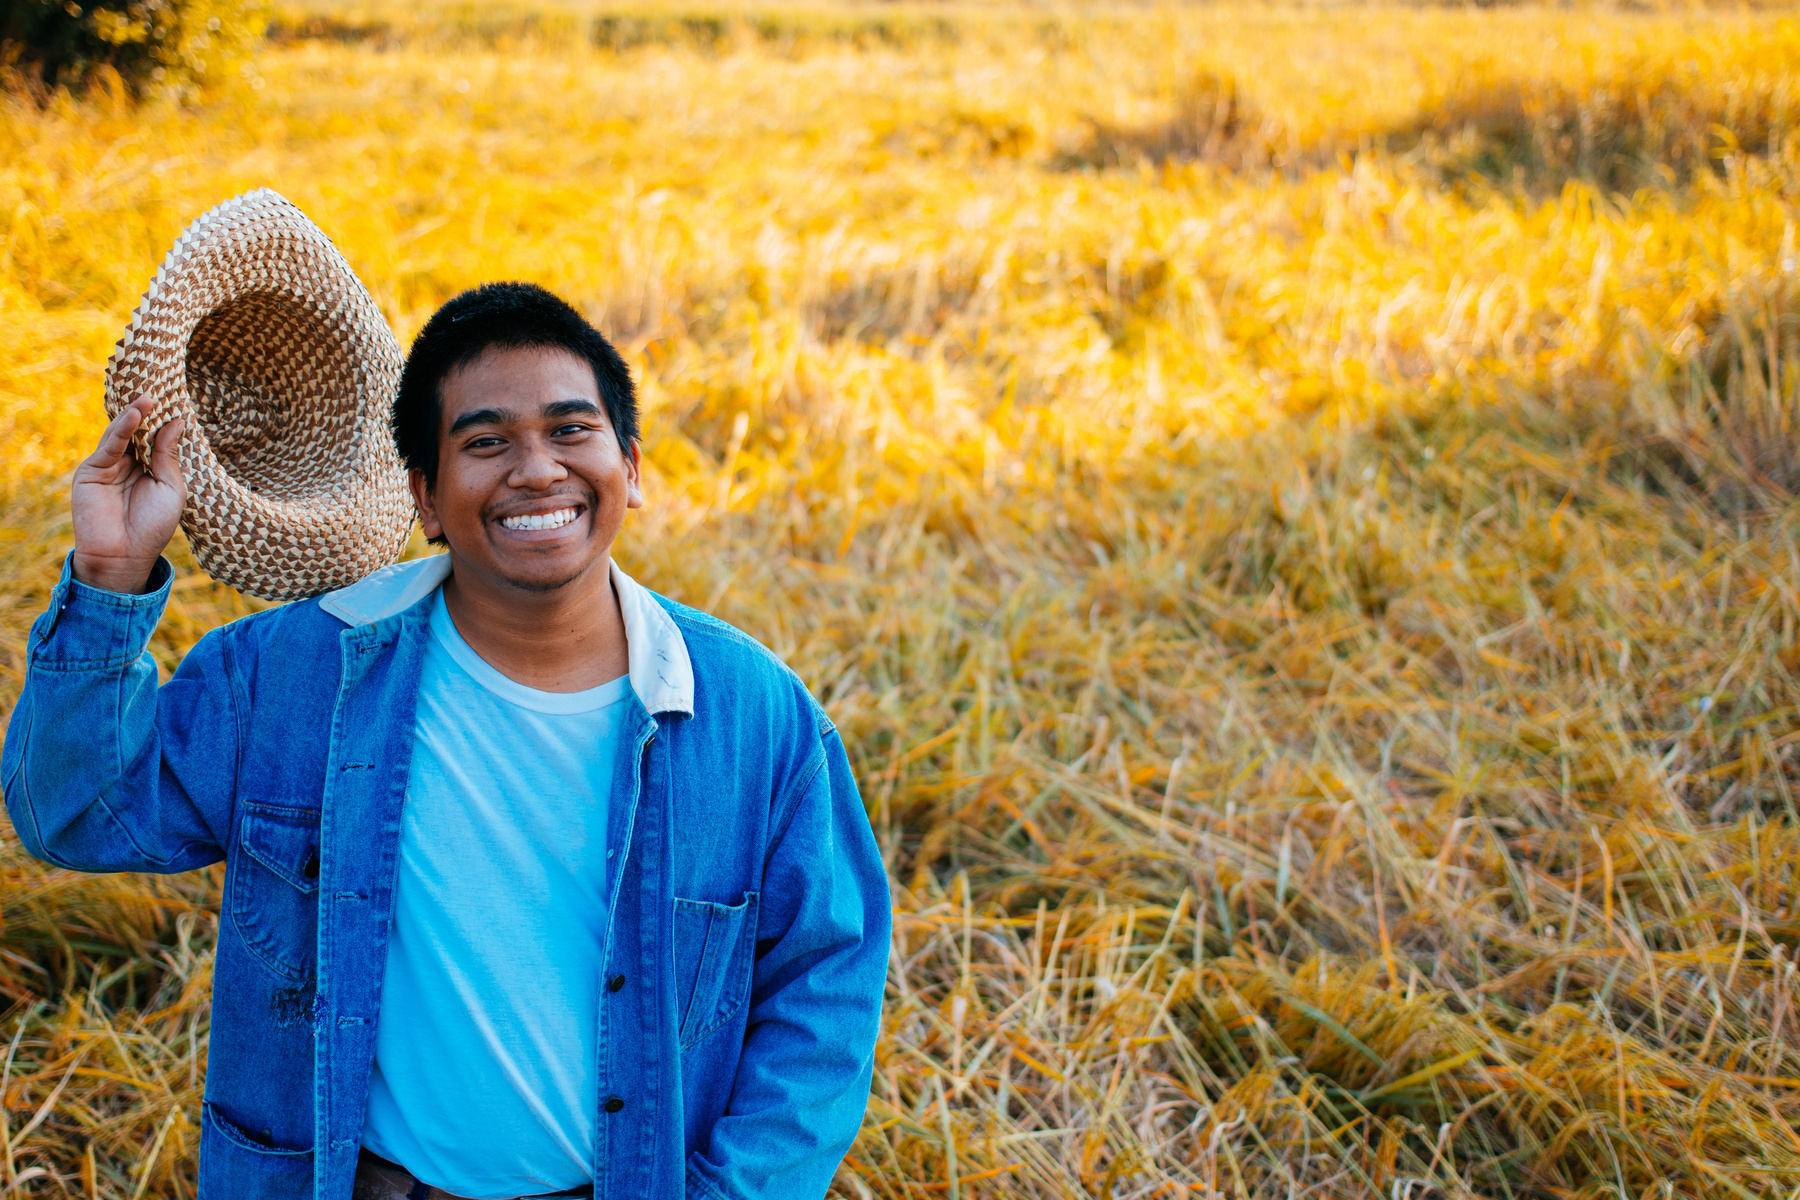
(379, 1179)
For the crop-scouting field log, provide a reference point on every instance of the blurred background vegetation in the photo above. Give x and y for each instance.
(163, 47)
(1291, 507)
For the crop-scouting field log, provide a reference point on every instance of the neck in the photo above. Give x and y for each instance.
(567, 639)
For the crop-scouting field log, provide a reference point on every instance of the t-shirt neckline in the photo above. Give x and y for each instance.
(444, 630)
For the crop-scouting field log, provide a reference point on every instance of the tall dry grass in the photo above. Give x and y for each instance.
(1312, 596)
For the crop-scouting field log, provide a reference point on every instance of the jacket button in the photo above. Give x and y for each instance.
(613, 1104)
(311, 869)
(615, 983)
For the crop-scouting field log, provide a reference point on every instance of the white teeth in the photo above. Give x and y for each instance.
(552, 520)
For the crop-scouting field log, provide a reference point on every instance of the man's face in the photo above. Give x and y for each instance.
(532, 485)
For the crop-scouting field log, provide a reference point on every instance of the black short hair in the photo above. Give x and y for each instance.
(510, 316)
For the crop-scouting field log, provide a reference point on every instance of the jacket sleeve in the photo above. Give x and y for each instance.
(102, 769)
(809, 1047)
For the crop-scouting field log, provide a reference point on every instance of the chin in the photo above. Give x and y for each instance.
(541, 585)
(543, 577)
(544, 568)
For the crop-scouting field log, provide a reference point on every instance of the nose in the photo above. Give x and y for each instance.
(537, 467)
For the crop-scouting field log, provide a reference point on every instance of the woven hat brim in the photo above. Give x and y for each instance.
(257, 332)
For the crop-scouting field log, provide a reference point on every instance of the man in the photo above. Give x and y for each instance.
(538, 883)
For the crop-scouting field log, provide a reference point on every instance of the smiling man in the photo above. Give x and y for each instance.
(539, 883)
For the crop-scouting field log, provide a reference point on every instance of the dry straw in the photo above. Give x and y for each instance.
(1320, 640)
(259, 335)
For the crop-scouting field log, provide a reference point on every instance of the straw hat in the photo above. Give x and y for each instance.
(258, 333)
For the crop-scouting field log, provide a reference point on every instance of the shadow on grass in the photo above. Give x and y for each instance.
(711, 29)
(1620, 133)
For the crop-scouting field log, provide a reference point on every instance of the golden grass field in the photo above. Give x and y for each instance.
(1293, 510)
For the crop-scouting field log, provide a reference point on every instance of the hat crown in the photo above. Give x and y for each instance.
(258, 332)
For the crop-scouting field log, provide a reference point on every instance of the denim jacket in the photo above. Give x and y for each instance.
(749, 914)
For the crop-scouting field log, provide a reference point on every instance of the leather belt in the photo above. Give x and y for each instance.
(379, 1179)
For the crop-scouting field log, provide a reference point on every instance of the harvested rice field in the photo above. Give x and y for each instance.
(1292, 509)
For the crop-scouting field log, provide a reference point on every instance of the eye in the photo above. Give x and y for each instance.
(571, 429)
(484, 442)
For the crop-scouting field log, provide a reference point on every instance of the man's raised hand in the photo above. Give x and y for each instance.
(125, 515)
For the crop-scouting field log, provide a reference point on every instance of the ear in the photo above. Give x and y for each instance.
(428, 514)
(634, 492)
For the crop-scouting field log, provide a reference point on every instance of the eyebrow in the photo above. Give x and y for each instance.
(500, 416)
(480, 416)
(572, 408)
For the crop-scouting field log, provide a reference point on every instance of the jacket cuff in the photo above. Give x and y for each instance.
(88, 628)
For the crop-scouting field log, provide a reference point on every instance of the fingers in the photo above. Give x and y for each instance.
(115, 440)
(164, 466)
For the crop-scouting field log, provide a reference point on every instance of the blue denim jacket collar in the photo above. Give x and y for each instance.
(661, 673)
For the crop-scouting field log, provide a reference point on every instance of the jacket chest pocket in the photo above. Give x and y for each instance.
(273, 892)
(714, 949)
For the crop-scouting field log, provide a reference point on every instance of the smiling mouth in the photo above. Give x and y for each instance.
(549, 520)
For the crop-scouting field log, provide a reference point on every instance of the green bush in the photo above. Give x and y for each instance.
(173, 47)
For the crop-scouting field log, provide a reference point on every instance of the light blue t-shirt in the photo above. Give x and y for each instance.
(484, 1081)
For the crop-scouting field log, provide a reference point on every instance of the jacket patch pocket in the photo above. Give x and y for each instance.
(245, 1165)
(273, 891)
(714, 950)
